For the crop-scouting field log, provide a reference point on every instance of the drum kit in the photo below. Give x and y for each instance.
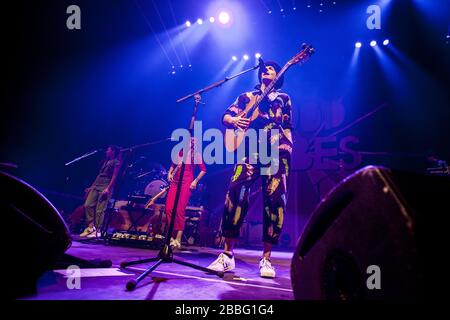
(144, 180)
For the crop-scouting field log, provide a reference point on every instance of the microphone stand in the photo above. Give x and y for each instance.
(88, 154)
(165, 255)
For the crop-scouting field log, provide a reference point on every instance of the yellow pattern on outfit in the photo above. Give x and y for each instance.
(237, 173)
(273, 185)
(237, 215)
(280, 217)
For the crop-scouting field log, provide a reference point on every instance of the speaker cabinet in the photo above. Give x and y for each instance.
(34, 235)
(370, 231)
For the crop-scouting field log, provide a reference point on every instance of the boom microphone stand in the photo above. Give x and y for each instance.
(165, 255)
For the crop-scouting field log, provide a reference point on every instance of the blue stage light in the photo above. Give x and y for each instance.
(257, 55)
(212, 19)
(200, 21)
(373, 43)
(358, 45)
(386, 42)
(234, 58)
(188, 23)
(245, 56)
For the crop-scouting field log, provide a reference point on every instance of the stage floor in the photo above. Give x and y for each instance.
(169, 281)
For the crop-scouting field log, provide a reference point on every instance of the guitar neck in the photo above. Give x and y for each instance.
(268, 89)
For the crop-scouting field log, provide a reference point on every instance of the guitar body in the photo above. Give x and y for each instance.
(234, 137)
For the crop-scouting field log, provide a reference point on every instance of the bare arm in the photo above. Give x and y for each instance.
(170, 173)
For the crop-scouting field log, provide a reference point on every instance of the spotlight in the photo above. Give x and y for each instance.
(173, 72)
(190, 66)
(245, 56)
(282, 10)
(373, 43)
(270, 11)
(257, 55)
(234, 58)
(224, 17)
(181, 66)
(212, 19)
(188, 23)
(199, 21)
(294, 8)
(386, 42)
(358, 45)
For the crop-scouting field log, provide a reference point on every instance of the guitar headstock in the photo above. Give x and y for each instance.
(303, 55)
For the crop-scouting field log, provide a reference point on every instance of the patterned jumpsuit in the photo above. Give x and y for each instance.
(279, 113)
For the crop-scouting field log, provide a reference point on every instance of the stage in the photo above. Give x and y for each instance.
(169, 281)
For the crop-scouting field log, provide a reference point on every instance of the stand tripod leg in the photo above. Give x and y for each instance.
(187, 264)
(133, 283)
(130, 263)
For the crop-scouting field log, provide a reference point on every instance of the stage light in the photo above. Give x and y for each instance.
(188, 23)
(224, 17)
(190, 66)
(373, 43)
(234, 58)
(358, 45)
(257, 55)
(282, 10)
(199, 21)
(294, 8)
(181, 66)
(270, 11)
(212, 19)
(386, 42)
(173, 72)
(245, 56)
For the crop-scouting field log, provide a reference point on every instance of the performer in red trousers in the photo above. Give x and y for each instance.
(188, 185)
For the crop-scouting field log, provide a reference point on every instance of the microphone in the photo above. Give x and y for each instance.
(262, 65)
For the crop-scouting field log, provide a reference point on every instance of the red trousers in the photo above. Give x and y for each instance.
(182, 202)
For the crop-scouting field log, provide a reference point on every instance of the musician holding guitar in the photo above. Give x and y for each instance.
(264, 108)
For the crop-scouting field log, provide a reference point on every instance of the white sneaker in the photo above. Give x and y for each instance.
(88, 231)
(265, 268)
(223, 263)
(96, 234)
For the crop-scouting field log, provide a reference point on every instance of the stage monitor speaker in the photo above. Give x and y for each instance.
(366, 238)
(34, 235)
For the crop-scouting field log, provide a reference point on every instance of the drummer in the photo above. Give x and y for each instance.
(188, 185)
